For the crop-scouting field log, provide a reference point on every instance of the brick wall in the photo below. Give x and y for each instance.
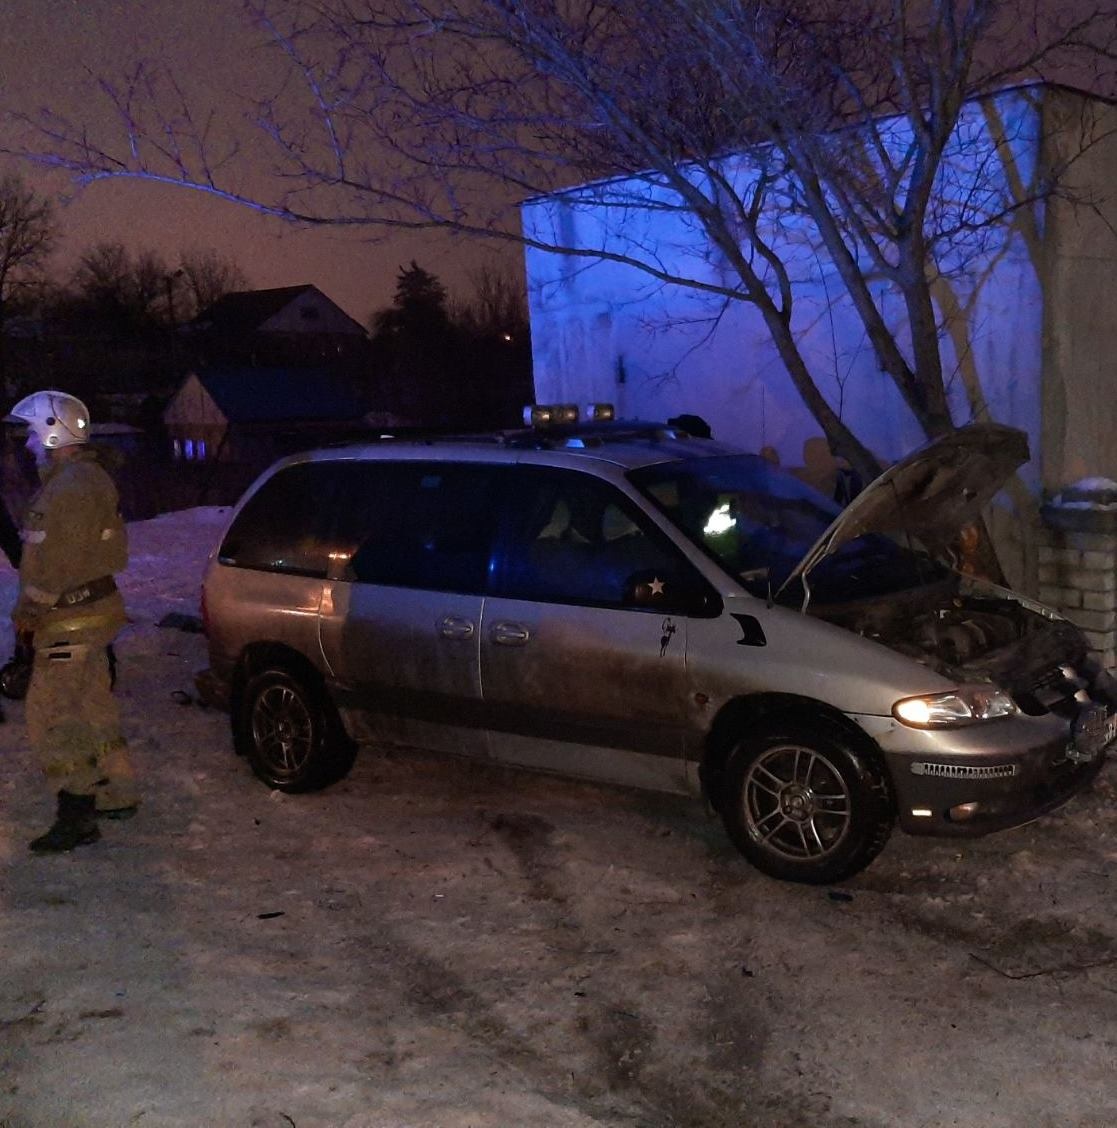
(1078, 561)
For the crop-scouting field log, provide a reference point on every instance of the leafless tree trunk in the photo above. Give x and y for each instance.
(207, 276)
(26, 240)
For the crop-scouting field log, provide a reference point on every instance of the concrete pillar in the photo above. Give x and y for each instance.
(1078, 561)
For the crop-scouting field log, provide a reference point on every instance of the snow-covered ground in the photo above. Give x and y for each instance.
(438, 943)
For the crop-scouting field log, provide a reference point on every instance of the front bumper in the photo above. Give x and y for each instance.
(975, 780)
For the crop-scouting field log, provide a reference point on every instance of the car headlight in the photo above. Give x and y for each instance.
(962, 706)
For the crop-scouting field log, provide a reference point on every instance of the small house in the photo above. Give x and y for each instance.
(251, 416)
(282, 327)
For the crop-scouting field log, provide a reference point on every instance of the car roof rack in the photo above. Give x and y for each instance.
(560, 436)
(574, 435)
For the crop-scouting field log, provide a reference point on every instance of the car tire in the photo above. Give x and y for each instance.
(290, 732)
(805, 802)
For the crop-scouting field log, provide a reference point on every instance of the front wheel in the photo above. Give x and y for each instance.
(804, 803)
(290, 733)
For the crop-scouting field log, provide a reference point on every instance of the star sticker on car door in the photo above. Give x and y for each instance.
(656, 586)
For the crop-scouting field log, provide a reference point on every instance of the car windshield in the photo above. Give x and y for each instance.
(758, 521)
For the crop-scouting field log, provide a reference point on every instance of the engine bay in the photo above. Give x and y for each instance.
(968, 631)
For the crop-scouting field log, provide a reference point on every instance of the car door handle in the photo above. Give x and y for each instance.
(510, 634)
(452, 626)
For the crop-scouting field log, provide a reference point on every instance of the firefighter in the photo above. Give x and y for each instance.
(74, 542)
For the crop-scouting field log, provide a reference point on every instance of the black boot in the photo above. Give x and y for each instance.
(74, 825)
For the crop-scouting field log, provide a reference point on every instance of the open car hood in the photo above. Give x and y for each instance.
(931, 494)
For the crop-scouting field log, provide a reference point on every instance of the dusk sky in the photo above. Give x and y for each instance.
(50, 48)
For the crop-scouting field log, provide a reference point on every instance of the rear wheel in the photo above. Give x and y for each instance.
(804, 802)
(290, 732)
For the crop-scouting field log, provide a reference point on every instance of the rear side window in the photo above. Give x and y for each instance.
(419, 524)
(283, 526)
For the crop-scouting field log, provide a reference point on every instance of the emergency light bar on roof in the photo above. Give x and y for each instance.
(543, 415)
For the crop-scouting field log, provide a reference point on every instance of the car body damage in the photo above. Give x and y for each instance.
(964, 628)
(623, 602)
(961, 627)
(971, 631)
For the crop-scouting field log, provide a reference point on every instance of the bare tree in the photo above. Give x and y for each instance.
(207, 276)
(494, 308)
(492, 321)
(765, 130)
(26, 238)
(120, 288)
(26, 241)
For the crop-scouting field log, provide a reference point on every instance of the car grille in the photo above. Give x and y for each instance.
(964, 771)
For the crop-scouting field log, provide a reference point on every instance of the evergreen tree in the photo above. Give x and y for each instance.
(419, 305)
(415, 355)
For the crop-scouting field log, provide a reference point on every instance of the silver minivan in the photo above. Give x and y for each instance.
(624, 602)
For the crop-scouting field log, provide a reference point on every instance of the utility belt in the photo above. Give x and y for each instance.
(85, 593)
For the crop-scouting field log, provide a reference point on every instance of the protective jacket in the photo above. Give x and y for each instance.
(74, 542)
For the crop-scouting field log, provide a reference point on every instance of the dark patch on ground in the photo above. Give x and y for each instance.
(271, 1029)
(528, 837)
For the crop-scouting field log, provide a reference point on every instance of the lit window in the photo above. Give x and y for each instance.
(200, 449)
(177, 449)
(188, 450)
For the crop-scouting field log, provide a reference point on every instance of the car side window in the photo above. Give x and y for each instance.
(283, 526)
(574, 538)
(419, 524)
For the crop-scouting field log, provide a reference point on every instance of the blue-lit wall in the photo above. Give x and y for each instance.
(602, 330)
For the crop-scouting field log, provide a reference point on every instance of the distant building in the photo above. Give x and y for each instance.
(252, 416)
(291, 326)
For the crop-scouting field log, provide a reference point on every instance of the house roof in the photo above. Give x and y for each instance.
(247, 309)
(276, 395)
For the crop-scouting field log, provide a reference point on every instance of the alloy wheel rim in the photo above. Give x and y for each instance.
(797, 804)
(282, 729)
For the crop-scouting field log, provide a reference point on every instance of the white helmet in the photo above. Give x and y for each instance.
(58, 418)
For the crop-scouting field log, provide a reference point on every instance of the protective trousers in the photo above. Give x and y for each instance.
(73, 721)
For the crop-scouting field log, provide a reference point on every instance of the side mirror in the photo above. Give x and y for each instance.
(668, 592)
